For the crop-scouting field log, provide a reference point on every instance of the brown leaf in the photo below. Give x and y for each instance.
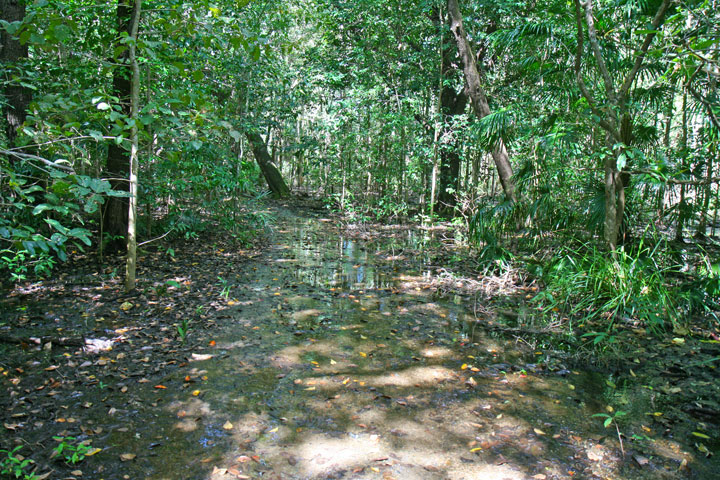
(126, 457)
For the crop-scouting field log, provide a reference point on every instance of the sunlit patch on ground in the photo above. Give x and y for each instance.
(437, 352)
(414, 376)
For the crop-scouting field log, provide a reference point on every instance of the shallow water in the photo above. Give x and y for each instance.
(336, 361)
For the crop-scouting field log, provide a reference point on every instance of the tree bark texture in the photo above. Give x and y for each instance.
(272, 175)
(478, 99)
(131, 259)
(452, 103)
(12, 52)
(115, 218)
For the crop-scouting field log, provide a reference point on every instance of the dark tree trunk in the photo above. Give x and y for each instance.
(115, 218)
(452, 103)
(13, 52)
(269, 170)
(478, 99)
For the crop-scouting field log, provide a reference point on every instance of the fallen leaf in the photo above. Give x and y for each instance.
(160, 387)
(228, 426)
(126, 457)
(538, 431)
(126, 306)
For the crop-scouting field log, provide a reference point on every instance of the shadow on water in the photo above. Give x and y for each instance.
(339, 363)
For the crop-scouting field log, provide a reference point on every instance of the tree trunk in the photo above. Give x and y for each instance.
(272, 175)
(478, 99)
(115, 217)
(613, 113)
(13, 52)
(452, 104)
(131, 260)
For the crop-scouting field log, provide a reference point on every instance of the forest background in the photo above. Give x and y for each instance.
(575, 142)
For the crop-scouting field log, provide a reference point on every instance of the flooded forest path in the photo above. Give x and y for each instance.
(322, 356)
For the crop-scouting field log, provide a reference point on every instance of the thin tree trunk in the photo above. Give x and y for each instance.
(478, 99)
(612, 114)
(131, 262)
(272, 175)
(683, 148)
(707, 193)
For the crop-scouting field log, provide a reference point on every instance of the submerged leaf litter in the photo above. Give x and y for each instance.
(322, 355)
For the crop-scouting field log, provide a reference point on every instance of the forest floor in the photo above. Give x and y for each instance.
(335, 351)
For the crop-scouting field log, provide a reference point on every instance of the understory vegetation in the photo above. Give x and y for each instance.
(576, 141)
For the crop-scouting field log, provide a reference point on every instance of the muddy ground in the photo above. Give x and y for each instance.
(334, 352)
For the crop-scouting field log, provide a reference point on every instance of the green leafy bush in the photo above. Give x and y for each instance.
(15, 465)
(592, 284)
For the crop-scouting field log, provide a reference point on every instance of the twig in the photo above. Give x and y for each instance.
(155, 239)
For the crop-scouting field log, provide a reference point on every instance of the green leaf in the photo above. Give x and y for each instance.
(96, 135)
(62, 32)
(56, 225)
(621, 161)
(41, 208)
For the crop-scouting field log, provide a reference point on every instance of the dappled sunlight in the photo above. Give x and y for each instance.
(413, 376)
(303, 379)
(437, 352)
(189, 413)
(295, 355)
(305, 315)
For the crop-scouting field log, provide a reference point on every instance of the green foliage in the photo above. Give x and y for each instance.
(70, 450)
(14, 465)
(589, 285)
(42, 217)
(183, 328)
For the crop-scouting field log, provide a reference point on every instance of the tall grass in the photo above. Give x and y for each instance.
(592, 285)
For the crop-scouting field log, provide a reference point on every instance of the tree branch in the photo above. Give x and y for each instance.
(27, 156)
(592, 38)
(606, 124)
(708, 107)
(672, 181)
(657, 21)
